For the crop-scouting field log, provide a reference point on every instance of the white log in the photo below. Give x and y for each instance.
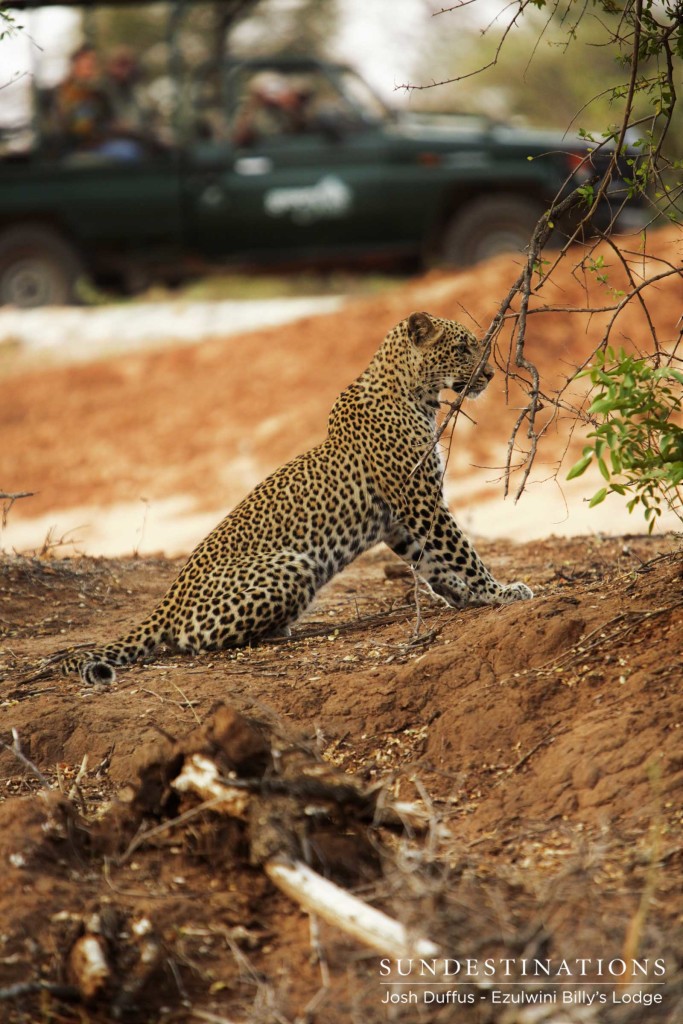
(200, 775)
(346, 912)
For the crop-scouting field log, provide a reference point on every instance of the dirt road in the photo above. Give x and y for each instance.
(145, 452)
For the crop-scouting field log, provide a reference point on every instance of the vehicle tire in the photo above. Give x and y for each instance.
(37, 268)
(489, 226)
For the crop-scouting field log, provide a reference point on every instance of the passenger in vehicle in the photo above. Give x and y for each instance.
(273, 106)
(100, 114)
(82, 110)
(131, 121)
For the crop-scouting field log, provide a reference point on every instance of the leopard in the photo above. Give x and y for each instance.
(377, 476)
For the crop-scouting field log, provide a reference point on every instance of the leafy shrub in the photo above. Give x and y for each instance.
(638, 437)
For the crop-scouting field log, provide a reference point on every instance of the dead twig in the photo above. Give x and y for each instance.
(75, 790)
(529, 754)
(211, 1018)
(16, 750)
(624, 622)
(188, 703)
(166, 826)
(9, 500)
(29, 988)
(379, 619)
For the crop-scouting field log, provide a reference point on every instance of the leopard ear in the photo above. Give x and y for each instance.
(422, 330)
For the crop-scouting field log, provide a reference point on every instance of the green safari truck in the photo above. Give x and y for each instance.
(274, 161)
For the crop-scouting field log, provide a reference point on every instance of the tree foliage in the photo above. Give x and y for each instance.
(216, 28)
(636, 442)
(7, 24)
(292, 28)
(567, 52)
(202, 30)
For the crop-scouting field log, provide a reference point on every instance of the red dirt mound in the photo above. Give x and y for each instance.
(542, 741)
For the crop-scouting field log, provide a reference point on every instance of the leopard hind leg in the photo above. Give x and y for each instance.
(252, 599)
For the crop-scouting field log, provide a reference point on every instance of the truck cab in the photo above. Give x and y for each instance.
(289, 161)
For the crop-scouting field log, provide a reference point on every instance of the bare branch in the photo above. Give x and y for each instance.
(407, 87)
(455, 7)
(9, 500)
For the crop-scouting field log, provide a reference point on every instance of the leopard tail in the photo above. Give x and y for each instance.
(98, 666)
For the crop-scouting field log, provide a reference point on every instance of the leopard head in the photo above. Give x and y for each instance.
(446, 355)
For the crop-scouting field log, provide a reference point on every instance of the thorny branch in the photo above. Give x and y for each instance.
(635, 36)
(522, 286)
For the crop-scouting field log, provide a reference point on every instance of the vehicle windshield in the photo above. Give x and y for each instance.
(368, 104)
(250, 104)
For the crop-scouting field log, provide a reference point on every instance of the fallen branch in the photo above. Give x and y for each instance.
(318, 896)
(351, 915)
(200, 775)
(88, 965)
(310, 890)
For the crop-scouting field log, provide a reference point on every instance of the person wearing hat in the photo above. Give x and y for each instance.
(273, 106)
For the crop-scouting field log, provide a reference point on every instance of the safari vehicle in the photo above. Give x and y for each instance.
(290, 161)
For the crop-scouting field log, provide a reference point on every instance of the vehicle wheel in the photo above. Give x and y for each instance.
(37, 268)
(489, 226)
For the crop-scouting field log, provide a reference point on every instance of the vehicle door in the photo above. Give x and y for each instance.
(294, 169)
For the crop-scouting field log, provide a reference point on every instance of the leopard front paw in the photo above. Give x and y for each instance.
(516, 592)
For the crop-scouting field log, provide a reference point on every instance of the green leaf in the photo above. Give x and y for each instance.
(598, 497)
(602, 404)
(580, 467)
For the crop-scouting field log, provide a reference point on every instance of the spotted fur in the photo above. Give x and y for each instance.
(376, 477)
